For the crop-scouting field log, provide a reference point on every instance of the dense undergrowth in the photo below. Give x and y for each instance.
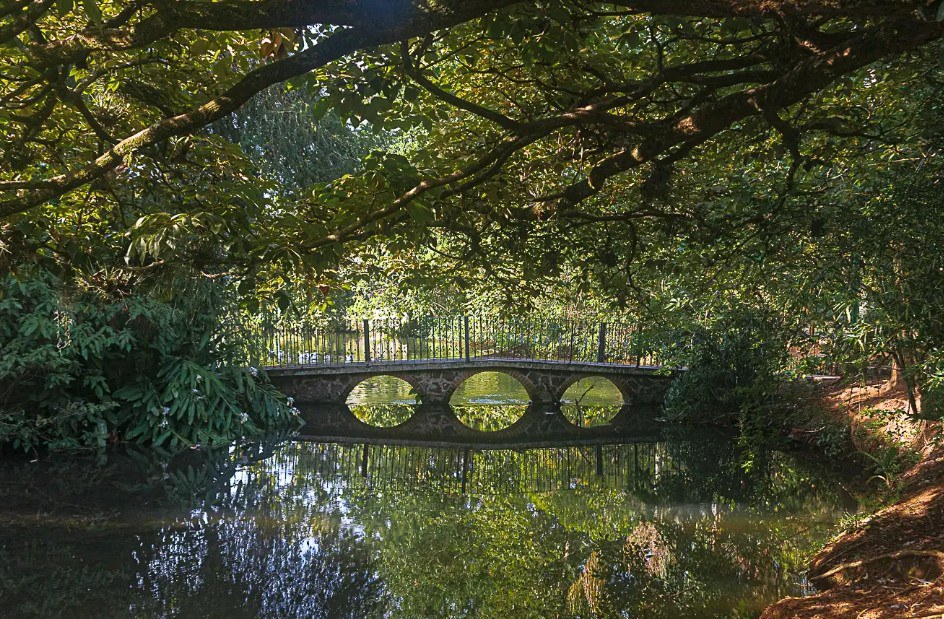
(79, 369)
(735, 377)
(740, 376)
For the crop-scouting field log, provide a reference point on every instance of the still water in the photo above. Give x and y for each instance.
(688, 526)
(486, 401)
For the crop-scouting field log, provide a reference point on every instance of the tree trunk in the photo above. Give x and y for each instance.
(901, 378)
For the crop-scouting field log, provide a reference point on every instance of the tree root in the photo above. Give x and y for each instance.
(893, 556)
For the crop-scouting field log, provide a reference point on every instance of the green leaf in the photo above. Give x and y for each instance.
(421, 214)
(319, 108)
(92, 11)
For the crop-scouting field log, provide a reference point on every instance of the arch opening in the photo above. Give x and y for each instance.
(591, 401)
(489, 401)
(490, 388)
(383, 401)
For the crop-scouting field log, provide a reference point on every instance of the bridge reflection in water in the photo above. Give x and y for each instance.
(488, 408)
(676, 527)
(482, 471)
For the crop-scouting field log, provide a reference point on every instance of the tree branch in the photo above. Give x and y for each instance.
(806, 77)
(499, 119)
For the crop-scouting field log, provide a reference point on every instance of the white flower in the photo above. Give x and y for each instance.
(199, 378)
(195, 390)
(243, 417)
(166, 411)
(253, 371)
(290, 402)
(296, 412)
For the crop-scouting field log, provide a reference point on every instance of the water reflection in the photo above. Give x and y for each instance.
(382, 390)
(591, 402)
(252, 566)
(489, 388)
(589, 416)
(489, 418)
(489, 401)
(382, 415)
(593, 391)
(674, 528)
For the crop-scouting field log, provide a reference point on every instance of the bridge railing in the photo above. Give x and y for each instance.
(283, 340)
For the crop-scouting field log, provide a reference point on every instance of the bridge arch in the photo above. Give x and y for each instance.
(479, 412)
(412, 382)
(601, 408)
(530, 389)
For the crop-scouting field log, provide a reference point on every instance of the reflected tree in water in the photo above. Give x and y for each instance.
(591, 401)
(489, 417)
(294, 564)
(383, 415)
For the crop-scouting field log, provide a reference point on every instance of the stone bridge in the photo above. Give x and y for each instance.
(434, 382)
(320, 392)
(539, 426)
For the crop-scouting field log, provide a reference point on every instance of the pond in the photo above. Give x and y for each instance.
(689, 525)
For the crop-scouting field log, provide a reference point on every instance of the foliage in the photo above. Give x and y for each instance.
(832, 436)
(733, 373)
(517, 125)
(79, 370)
(283, 132)
(886, 464)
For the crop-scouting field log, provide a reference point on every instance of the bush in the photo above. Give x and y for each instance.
(734, 375)
(77, 370)
(932, 386)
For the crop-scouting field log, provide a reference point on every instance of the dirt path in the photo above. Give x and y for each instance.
(892, 564)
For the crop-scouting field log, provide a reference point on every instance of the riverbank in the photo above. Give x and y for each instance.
(890, 564)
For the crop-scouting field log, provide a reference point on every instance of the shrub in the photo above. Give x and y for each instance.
(733, 374)
(77, 370)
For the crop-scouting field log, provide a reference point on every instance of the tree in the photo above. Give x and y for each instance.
(293, 142)
(631, 85)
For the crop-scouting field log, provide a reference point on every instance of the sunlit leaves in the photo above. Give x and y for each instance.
(278, 43)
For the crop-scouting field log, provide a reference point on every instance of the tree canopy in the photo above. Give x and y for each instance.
(534, 108)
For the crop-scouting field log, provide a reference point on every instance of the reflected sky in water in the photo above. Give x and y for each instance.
(678, 528)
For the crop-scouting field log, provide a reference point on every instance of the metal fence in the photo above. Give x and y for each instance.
(465, 470)
(272, 341)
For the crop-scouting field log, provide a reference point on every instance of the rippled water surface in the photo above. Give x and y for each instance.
(687, 526)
